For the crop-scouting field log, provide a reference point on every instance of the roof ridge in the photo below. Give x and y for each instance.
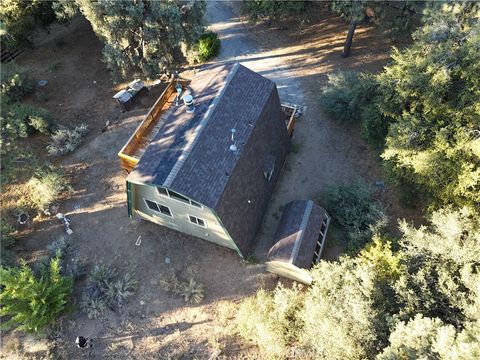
(301, 231)
(188, 148)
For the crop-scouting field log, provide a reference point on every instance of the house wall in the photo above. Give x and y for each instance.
(214, 231)
(246, 196)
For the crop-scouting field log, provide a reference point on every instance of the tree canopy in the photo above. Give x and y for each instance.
(141, 37)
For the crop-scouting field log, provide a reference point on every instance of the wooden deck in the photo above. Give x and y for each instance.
(133, 150)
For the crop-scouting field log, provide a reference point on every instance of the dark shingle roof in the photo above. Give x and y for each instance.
(297, 233)
(190, 154)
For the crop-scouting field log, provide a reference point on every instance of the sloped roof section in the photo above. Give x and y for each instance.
(190, 154)
(297, 233)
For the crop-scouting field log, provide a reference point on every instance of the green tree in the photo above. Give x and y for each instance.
(20, 18)
(272, 10)
(353, 208)
(443, 271)
(426, 338)
(432, 92)
(141, 36)
(32, 302)
(397, 16)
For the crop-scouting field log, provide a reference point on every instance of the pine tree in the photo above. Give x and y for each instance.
(140, 36)
(31, 302)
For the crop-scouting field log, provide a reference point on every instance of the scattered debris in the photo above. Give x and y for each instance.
(66, 223)
(167, 260)
(42, 82)
(77, 207)
(139, 240)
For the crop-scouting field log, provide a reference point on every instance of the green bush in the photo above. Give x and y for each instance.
(374, 125)
(346, 93)
(45, 187)
(104, 289)
(6, 243)
(16, 82)
(66, 140)
(272, 320)
(32, 302)
(19, 120)
(208, 46)
(353, 208)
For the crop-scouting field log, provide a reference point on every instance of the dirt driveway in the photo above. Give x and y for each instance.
(156, 324)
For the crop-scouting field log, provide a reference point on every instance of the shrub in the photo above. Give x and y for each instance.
(103, 290)
(16, 82)
(32, 302)
(77, 268)
(6, 243)
(208, 46)
(271, 319)
(117, 292)
(61, 247)
(205, 48)
(374, 125)
(346, 93)
(352, 207)
(93, 307)
(191, 290)
(20, 120)
(66, 140)
(45, 187)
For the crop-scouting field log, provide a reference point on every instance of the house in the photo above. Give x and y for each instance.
(211, 168)
(299, 240)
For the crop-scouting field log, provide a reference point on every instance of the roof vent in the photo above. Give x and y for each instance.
(188, 101)
(233, 147)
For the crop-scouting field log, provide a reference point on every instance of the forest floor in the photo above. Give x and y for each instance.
(156, 324)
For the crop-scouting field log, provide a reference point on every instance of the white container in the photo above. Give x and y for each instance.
(122, 96)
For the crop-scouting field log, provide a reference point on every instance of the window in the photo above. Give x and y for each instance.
(178, 197)
(162, 191)
(197, 221)
(165, 210)
(172, 194)
(152, 206)
(158, 208)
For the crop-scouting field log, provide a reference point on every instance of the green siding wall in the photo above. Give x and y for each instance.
(179, 221)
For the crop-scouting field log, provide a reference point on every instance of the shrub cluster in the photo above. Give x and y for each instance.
(16, 82)
(353, 208)
(191, 290)
(65, 140)
(105, 289)
(206, 47)
(45, 187)
(420, 301)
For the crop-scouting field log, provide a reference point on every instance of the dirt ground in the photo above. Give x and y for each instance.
(156, 324)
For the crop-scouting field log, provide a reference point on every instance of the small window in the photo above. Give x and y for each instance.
(152, 206)
(165, 210)
(162, 191)
(178, 197)
(197, 221)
